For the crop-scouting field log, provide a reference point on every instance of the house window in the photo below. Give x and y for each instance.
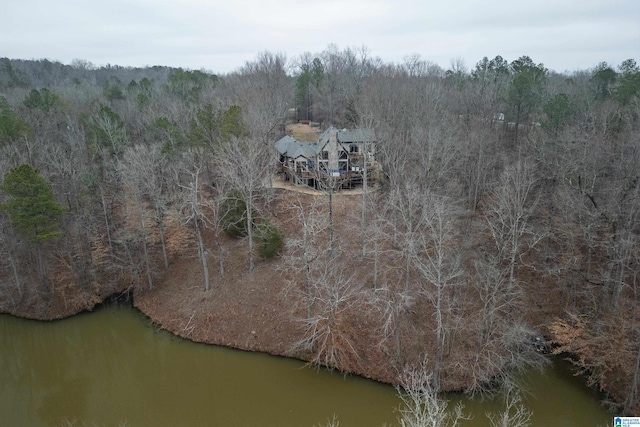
(353, 149)
(325, 155)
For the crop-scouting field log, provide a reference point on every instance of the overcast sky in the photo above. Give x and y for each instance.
(220, 36)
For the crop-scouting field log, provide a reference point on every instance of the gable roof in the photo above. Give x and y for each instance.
(356, 135)
(294, 148)
(347, 135)
(324, 137)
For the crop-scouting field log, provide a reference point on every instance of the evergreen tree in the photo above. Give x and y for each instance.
(205, 127)
(559, 110)
(629, 82)
(43, 100)
(232, 124)
(527, 87)
(269, 240)
(11, 127)
(34, 213)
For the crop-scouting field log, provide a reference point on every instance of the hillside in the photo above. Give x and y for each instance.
(263, 310)
(505, 212)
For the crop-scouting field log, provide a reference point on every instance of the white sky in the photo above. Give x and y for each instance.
(220, 36)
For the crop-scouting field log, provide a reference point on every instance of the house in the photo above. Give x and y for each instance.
(341, 157)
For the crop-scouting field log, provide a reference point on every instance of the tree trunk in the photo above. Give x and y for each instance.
(220, 257)
(376, 260)
(144, 244)
(202, 253)
(439, 338)
(307, 269)
(160, 222)
(42, 268)
(330, 218)
(16, 276)
(106, 219)
(407, 270)
(249, 204)
(634, 395)
(364, 205)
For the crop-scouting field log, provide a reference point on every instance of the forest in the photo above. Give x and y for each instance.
(502, 223)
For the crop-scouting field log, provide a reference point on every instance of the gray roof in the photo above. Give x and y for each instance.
(356, 135)
(294, 148)
(324, 137)
(348, 135)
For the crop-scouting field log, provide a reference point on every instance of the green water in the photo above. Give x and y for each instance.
(111, 367)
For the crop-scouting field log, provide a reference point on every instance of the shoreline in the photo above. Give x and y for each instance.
(161, 324)
(255, 311)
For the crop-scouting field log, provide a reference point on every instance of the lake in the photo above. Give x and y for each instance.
(112, 367)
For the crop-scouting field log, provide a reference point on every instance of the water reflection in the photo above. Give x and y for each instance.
(556, 399)
(110, 366)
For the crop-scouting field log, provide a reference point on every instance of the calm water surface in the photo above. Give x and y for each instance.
(110, 367)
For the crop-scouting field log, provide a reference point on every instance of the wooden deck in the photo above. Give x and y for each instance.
(347, 179)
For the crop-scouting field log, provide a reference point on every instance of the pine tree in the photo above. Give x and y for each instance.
(34, 213)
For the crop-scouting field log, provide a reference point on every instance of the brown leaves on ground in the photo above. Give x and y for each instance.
(262, 310)
(605, 349)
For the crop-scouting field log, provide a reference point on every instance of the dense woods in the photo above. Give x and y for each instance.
(506, 208)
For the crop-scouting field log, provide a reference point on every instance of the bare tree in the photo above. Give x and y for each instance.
(193, 208)
(513, 204)
(408, 222)
(144, 168)
(265, 93)
(330, 186)
(343, 71)
(478, 155)
(304, 251)
(633, 397)
(392, 306)
(367, 122)
(333, 422)
(439, 262)
(64, 156)
(329, 331)
(494, 298)
(423, 407)
(512, 350)
(376, 236)
(9, 250)
(244, 164)
(515, 414)
(9, 261)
